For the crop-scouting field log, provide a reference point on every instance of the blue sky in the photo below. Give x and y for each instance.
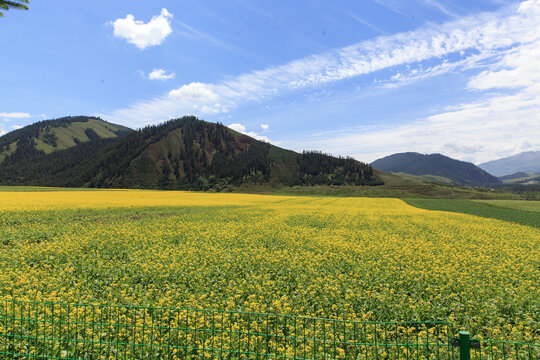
(359, 78)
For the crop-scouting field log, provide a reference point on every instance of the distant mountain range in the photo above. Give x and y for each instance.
(523, 162)
(435, 168)
(189, 153)
(185, 153)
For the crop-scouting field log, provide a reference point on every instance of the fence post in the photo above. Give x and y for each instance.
(464, 345)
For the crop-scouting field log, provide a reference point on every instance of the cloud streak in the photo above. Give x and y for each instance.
(463, 42)
(503, 122)
(14, 115)
(437, 5)
(478, 132)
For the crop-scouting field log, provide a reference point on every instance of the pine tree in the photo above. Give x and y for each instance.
(16, 4)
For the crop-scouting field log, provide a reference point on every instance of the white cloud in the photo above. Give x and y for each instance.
(237, 127)
(242, 129)
(160, 74)
(505, 121)
(264, 126)
(461, 44)
(505, 118)
(14, 115)
(194, 90)
(15, 127)
(476, 132)
(517, 69)
(2, 132)
(142, 34)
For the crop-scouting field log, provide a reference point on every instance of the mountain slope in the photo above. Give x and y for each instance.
(188, 153)
(521, 178)
(438, 165)
(34, 154)
(523, 162)
(59, 134)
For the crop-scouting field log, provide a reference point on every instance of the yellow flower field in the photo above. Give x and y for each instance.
(347, 258)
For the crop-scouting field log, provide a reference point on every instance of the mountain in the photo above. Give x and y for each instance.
(435, 165)
(33, 154)
(528, 161)
(188, 153)
(49, 136)
(522, 175)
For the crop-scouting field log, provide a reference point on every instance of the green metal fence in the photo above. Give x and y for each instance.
(494, 349)
(42, 330)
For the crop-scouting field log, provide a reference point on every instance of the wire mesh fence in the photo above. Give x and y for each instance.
(494, 349)
(42, 330)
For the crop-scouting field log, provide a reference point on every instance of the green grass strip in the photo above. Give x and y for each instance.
(514, 204)
(530, 218)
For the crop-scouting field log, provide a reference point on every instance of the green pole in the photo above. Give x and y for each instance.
(464, 345)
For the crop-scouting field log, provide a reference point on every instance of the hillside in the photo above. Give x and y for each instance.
(48, 136)
(523, 162)
(435, 166)
(522, 177)
(191, 154)
(36, 153)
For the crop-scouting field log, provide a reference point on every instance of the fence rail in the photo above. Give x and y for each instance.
(496, 349)
(42, 330)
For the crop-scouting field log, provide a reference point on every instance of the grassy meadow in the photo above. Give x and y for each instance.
(346, 258)
(516, 211)
(515, 204)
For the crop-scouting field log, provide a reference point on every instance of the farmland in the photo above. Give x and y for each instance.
(516, 211)
(515, 204)
(345, 258)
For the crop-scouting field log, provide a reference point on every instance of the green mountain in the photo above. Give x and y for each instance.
(523, 162)
(34, 154)
(188, 153)
(435, 166)
(522, 177)
(52, 135)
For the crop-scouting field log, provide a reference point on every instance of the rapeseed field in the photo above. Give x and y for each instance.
(344, 258)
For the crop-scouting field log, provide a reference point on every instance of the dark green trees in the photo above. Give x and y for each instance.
(183, 154)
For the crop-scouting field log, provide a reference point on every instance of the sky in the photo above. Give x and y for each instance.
(355, 78)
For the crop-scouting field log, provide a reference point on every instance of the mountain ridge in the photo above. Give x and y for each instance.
(186, 154)
(32, 155)
(435, 165)
(527, 161)
(48, 136)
